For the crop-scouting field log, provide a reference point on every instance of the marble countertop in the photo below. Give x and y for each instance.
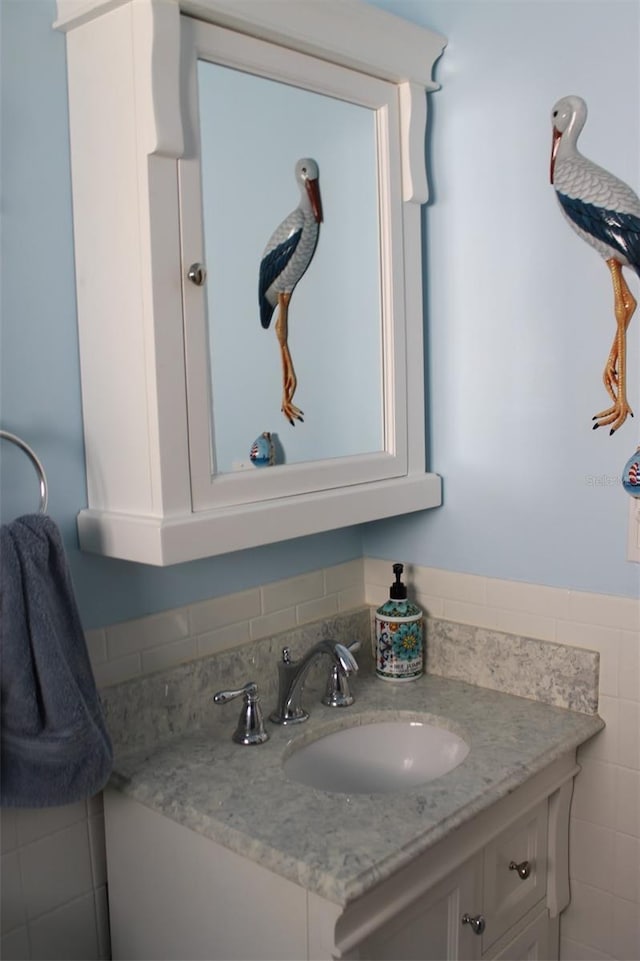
(335, 844)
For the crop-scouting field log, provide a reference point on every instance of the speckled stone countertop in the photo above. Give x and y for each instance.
(341, 845)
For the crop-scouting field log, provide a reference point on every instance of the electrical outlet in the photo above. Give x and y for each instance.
(633, 542)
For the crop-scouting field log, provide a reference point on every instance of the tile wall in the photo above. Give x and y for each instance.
(54, 900)
(53, 883)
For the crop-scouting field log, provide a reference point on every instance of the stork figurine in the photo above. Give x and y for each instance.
(284, 262)
(605, 212)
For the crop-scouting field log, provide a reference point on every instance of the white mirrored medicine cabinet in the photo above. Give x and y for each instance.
(173, 365)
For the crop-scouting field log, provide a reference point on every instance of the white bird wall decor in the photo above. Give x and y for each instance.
(605, 212)
(285, 259)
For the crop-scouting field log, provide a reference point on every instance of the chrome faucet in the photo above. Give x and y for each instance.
(291, 675)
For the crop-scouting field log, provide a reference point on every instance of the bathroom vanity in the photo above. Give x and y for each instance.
(213, 852)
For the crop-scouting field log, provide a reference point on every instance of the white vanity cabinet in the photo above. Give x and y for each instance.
(151, 332)
(175, 894)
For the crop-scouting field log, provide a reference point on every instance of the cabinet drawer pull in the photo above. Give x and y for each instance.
(477, 924)
(523, 869)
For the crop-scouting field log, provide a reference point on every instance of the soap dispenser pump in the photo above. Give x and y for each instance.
(399, 635)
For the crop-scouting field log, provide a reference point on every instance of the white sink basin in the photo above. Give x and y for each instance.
(378, 758)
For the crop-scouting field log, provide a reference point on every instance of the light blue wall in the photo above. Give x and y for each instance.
(519, 313)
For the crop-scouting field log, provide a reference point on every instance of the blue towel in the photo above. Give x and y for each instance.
(55, 747)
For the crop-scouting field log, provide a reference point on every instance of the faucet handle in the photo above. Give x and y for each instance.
(338, 693)
(250, 729)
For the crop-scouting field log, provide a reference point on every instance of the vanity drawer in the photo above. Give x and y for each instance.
(515, 873)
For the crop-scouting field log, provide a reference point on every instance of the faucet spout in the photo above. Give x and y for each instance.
(291, 675)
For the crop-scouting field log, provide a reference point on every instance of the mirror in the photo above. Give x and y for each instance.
(254, 110)
(252, 132)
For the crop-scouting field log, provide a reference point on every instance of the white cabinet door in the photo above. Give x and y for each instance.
(431, 928)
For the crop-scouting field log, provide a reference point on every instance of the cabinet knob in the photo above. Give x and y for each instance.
(477, 924)
(197, 274)
(523, 869)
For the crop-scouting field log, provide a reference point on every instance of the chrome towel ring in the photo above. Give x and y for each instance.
(42, 477)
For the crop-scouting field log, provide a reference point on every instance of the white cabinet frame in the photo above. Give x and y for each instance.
(126, 132)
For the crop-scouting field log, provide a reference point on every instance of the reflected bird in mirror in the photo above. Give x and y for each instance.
(284, 262)
(605, 212)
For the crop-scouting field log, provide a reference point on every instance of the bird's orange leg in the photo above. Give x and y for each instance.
(614, 376)
(610, 375)
(289, 379)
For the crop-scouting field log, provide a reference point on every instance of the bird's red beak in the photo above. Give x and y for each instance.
(313, 190)
(554, 150)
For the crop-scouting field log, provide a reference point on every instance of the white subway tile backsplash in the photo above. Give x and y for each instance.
(169, 655)
(594, 796)
(224, 638)
(431, 605)
(349, 598)
(317, 609)
(146, 632)
(629, 665)
(376, 594)
(626, 930)
(525, 598)
(467, 588)
(68, 933)
(627, 869)
(350, 575)
(573, 951)
(527, 624)
(628, 734)
(628, 801)
(604, 746)
(592, 852)
(604, 610)
(296, 590)
(590, 920)
(36, 823)
(465, 612)
(274, 623)
(15, 946)
(377, 573)
(219, 612)
(12, 912)
(69, 873)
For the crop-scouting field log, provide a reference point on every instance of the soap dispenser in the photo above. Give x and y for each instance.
(399, 635)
